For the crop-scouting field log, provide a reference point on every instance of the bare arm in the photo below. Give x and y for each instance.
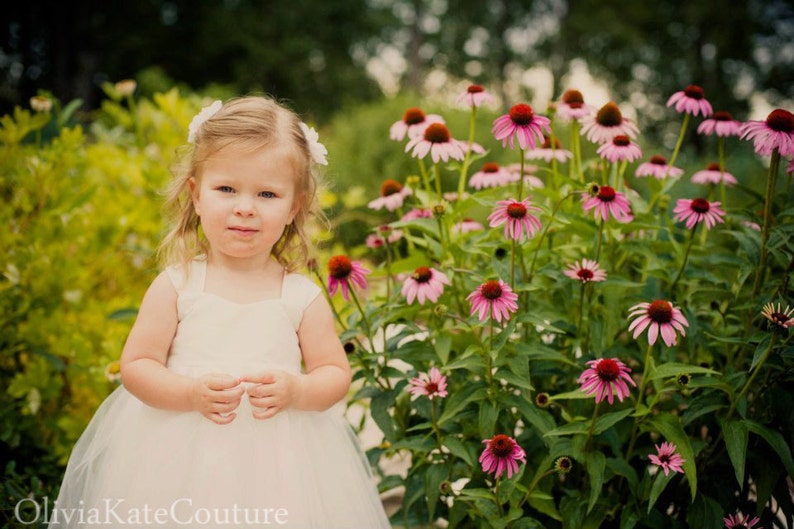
(327, 377)
(143, 363)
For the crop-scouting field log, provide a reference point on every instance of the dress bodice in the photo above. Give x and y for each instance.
(217, 335)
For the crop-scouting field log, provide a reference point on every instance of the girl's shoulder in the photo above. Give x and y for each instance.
(298, 289)
(187, 276)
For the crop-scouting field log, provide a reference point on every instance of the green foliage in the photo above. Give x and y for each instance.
(81, 223)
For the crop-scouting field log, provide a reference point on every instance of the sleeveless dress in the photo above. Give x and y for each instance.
(140, 466)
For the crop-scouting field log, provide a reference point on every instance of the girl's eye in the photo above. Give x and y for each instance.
(225, 189)
(267, 194)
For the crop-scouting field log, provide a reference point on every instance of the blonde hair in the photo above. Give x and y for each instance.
(245, 124)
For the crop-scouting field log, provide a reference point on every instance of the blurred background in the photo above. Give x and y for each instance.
(326, 56)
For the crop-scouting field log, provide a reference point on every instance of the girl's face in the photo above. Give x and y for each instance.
(245, 200)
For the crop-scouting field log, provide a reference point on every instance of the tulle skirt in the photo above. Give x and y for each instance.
(139, 466)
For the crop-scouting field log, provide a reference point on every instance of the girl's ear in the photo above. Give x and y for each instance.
(194, 193)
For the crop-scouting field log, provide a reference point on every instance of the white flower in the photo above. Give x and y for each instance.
(199, 119)
(317, 149)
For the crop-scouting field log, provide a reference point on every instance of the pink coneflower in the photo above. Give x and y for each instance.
(494, 297)
(437, 141)
(606, 201)
(412, 124)
(475, 96)
(619, 149)
(434, 385)
(607, 123)
(667, 458)
(424, 284)
(392, 196)
(693, 211)
(516, 217)
(776, 132)
(501, 453)
(712, 175)
(384, 234)
(778, 316)
(345, 274)
(572, 106)
(521, 124)
(417, 213)
(657, 167)
(585, 271)
(606, 378)
(491, 175)
(659, 317)
(467, 225)
(737, 521)
(691, 100)
(721, 123)
(547, 152)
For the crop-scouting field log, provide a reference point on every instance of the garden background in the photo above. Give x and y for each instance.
(81, 187)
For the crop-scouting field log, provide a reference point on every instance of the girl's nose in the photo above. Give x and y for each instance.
(244, 207)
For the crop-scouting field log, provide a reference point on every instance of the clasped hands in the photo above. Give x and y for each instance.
(217, 396)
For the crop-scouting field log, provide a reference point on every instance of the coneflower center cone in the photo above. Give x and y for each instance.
(609, 115)
(608, 370)
(501, 445)
(781, 120)
(521, 114)
(340, 267)
(492, 290)
(390, 187)
(694, 91)
(517, 210)
(437, 133)
(606, 193)
(660, 311)
(700, 205)
(413, 116)
(422, 274)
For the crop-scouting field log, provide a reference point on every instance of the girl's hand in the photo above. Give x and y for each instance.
(216, 397)
(270, 392)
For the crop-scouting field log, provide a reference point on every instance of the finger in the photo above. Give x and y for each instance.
(218, 381)
(267, 413)
(222, 419)
(265, 377)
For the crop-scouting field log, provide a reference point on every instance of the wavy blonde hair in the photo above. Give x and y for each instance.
(245, 124)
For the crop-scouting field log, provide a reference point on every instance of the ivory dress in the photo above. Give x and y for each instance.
(139, 466)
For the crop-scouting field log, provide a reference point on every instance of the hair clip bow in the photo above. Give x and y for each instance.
(317, 149)
(199, 119)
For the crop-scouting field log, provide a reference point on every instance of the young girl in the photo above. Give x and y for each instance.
(232, 368)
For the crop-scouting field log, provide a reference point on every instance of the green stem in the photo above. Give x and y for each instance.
(640, 395)
(521, 174)
(465, 167)
(543, 235)
(434, 421)
(678, 144)
(746, 387)
(592, 425)
(600, 239)
(686, 258)
(496, 497)
(437, 177)
(721, 150)
(769, 199)
(425, 177)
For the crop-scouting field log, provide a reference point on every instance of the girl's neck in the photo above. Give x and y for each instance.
(244, 281)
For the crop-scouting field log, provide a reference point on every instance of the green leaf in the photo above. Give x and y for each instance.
(379, 409)
(459, 450)
(673, 369)
(575, 394)
(596, 464)
(670, 427)
(736, 436)
(458, 402)
(659, 485)
(763, 347)
(576, 427)
(443, 346)
(434, 475)
(776, 441)
(487, 418)
(608, 420)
